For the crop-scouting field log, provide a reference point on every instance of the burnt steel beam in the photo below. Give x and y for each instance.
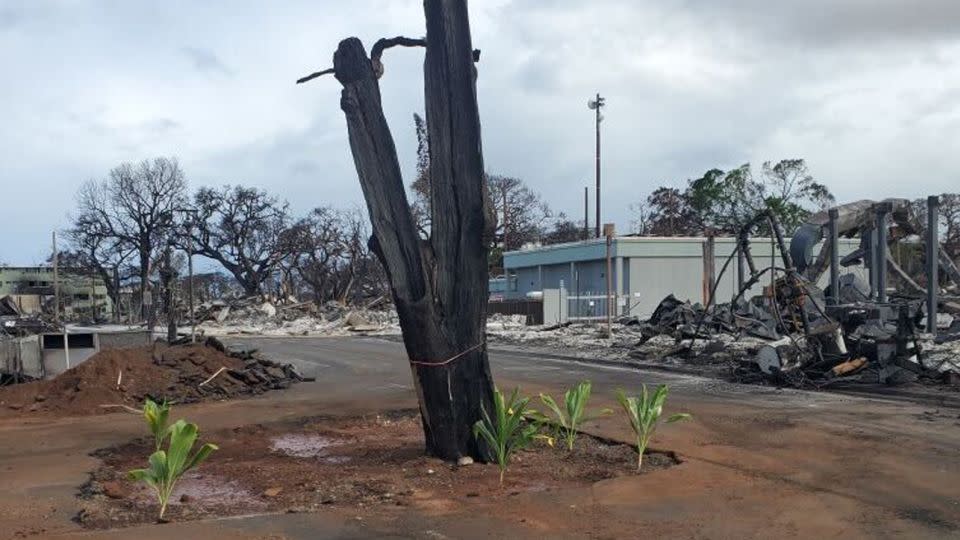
(933, 256)
(834, 257)
(883, 210)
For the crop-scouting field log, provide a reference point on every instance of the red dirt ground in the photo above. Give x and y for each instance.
(359, 462)
(160, 372)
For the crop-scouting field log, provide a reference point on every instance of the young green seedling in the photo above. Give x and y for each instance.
(568, 419)
(644, 413)
(156, 418)
(167, 467)
(507, 430)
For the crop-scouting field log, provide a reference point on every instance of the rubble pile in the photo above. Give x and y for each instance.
(786, 332)
(865, 333)
(114, 379)
(259, 316)
(13, 322)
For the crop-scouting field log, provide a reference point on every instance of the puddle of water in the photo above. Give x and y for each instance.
(223, 492)
(307, 446)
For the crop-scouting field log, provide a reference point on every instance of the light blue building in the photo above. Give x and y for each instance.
(644, 270)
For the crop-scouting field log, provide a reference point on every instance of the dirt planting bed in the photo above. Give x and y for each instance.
(373, 462)
(117, 377)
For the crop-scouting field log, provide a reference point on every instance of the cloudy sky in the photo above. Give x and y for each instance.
(867, 91)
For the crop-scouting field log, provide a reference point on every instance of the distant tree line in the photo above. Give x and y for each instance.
(125, 224)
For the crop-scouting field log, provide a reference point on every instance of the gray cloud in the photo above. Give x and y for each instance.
(206, 61)
(8, 19)
(863, 89)
(830, 23)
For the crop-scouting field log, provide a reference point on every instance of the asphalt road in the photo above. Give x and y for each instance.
(380, 365)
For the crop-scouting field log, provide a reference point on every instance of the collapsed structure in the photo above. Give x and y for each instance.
(818, 335)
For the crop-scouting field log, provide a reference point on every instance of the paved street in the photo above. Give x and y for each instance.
(376, 365)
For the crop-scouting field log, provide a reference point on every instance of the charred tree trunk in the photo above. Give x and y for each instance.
(440, 286)
(167, 276)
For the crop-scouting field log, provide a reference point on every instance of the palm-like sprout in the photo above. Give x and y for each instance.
(166, 467)
(156, 416)
(506, 431)
(644, 413)
(572, 415)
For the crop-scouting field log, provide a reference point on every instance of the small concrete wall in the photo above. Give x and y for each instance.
(56, 360)
(26, 351)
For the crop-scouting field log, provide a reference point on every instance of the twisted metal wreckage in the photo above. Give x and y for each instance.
(816, 336)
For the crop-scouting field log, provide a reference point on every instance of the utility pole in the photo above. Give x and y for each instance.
(505, 216)
(586, 213)
(117, 295)
(56, 281)
(596, 105)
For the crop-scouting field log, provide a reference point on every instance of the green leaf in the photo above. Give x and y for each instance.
(143, 475)
(200, 456)
(182, 437)
(678, 417)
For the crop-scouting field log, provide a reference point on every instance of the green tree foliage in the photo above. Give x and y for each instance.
(721, 201)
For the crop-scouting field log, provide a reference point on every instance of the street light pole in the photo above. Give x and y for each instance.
(596, 105)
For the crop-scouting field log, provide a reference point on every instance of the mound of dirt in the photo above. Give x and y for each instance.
(117, 377)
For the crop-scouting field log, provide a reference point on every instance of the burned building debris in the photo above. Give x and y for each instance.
(850, 330)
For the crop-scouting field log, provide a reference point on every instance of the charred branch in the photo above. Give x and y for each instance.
(376, 53)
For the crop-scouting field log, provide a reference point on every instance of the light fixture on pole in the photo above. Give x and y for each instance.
(596, 104)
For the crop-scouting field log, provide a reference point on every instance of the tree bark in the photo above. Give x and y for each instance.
(440, 286)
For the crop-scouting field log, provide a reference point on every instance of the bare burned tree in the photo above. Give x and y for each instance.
(439, 285)
(129, 214)
(318, 249)
(241, 228)
(99, 253)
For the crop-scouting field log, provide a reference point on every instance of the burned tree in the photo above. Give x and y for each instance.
(128, 215)
(439, 285)
(241, 228)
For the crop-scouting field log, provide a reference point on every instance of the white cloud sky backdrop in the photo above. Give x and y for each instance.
(867, 91)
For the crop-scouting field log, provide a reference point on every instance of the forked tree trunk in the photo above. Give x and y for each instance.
(439, 286)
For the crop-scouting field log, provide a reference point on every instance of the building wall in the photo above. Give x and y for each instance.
(652, 269)
(588, 277)
(33, 284)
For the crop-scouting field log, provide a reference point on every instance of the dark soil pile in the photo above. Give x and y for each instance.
(373, 463)
(117, 377)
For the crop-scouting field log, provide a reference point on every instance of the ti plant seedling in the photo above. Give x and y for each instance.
(644, 412)
(568, 419)
(507, 430)
(167, 467)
